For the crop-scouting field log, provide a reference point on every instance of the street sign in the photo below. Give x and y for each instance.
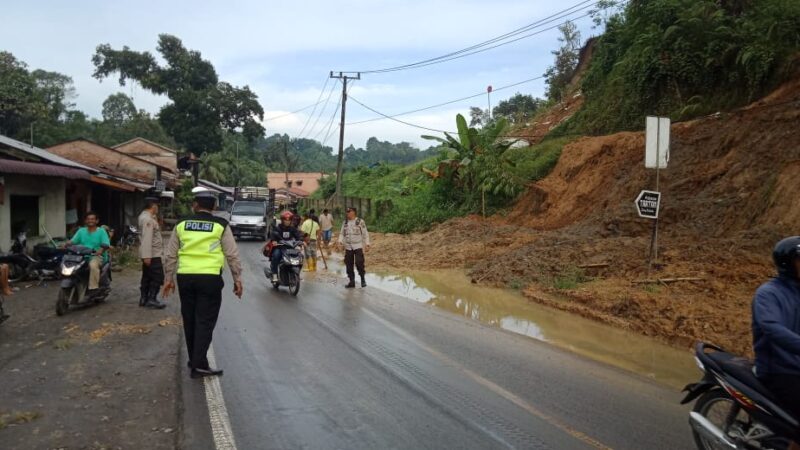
(160, 185)
(656, 153)
(648, 203)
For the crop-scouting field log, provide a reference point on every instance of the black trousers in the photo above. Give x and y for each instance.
(354, 257)
(152, 276)
(201, 298)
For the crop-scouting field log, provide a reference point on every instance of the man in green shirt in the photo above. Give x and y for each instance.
(95, 238)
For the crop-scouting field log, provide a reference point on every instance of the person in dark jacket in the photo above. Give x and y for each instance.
(284, 231)
(776, 327)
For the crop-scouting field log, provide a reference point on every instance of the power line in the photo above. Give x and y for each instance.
(398, 120)
(321, 112)
(480, 47)
(290, 113)
(319, 99)
(333, 116)
(448, 102)
(330, 125)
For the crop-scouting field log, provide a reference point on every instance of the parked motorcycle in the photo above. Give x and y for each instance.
(3, 315)
(43, 265)
(289, 267)
(733, 409)
(74, 291)
(130, 237)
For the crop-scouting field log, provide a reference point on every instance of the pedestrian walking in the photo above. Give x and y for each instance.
(198, 248)
(310, 228)
(326, 225)
(354, 237)
(151, 251)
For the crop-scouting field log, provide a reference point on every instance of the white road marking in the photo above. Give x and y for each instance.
(217, 412)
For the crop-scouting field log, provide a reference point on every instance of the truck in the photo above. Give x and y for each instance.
(251, 213)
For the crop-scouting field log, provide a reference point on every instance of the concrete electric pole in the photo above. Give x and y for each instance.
(344, 78)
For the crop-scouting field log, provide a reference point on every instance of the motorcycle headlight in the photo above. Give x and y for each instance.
(295, 261)
(67, 271)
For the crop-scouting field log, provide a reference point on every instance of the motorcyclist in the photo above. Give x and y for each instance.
(95, 238)
(776, 327)
(285, 230)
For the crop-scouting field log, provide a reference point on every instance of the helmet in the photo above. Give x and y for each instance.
(287, 215)
(784, 254)
(201, 192)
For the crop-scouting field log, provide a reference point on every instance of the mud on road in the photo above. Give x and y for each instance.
(97, 378)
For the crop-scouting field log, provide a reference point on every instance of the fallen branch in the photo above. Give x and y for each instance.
(667, 280)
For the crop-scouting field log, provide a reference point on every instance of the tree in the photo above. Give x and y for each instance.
(118, 108)
(476, 162)
(518, 108)
(17, 100)
(201, 107)
(558, 76)
(478, 116)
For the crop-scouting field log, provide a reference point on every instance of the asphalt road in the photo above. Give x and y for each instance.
(351, 369)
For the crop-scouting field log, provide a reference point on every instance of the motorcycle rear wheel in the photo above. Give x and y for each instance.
(64, 296)
(294, 283)
(16, 273)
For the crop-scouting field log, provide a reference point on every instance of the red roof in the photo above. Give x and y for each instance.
(46, 170)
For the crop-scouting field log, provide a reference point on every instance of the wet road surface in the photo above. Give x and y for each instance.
(352, 369)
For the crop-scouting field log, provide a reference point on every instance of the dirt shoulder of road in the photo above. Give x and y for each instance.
(104, 377)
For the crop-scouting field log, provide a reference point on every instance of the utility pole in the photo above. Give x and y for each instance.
(344, 78)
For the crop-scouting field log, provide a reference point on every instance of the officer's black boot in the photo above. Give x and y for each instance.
(351, 284)
(152, 300)
(143, 297)
(363, 281)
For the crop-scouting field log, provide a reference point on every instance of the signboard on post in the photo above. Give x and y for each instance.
(648, 203)
(656, 155)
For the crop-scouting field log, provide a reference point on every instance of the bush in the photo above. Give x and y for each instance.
(536, 162)
(685, 58)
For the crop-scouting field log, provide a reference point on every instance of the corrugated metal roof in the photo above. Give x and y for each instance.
(42, 154)
(47, 170)
(216, 186)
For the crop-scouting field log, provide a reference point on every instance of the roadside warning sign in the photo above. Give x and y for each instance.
(648, 203)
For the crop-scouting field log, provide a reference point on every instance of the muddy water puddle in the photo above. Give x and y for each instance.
(509, 310)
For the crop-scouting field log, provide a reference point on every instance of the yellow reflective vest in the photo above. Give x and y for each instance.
(200, 250)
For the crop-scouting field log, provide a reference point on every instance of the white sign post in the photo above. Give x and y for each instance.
(656, 156)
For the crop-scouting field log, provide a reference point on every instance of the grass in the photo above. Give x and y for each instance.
(62, 344)
(125, 258)
(537, 161)
(569, 278)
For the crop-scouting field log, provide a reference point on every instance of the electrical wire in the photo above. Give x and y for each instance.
(290, 113)
(397, 120)
(478, 48)
(330, 122)
(319, 99)
(321, 113)
(448, 102)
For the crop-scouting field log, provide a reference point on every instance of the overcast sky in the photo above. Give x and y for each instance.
(285, 50)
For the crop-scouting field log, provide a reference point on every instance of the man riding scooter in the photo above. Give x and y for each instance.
(95, 238)
(284, 231)
(776, 327)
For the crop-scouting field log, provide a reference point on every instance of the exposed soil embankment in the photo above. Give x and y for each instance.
(728, 195)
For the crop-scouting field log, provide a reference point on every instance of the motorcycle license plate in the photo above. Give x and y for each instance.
(73, 258)
(245, 232)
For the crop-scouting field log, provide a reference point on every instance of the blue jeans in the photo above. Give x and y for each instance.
(326, 235)
(277, 254)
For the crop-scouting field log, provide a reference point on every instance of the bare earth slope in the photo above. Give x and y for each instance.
(729, 193)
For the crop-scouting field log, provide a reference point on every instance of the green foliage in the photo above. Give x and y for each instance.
(377, 151)
(684, 58)
(476, 163)
(536, 162)
(558, 76)
(518, 108)
(202, 107)
(183, 198)
(569, 278)
(237, 164)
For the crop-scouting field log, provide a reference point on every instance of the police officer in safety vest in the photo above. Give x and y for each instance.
(199, 247)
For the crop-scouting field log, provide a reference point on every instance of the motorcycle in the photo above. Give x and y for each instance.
(130, 237)
(43, 265)
(74, 291)
(289, 267)
(733, 409)
(3, 315)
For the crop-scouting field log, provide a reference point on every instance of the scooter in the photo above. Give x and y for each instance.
(44, 265)
(130, 237)
(733, 409)
(289, 267)
(74, 270)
